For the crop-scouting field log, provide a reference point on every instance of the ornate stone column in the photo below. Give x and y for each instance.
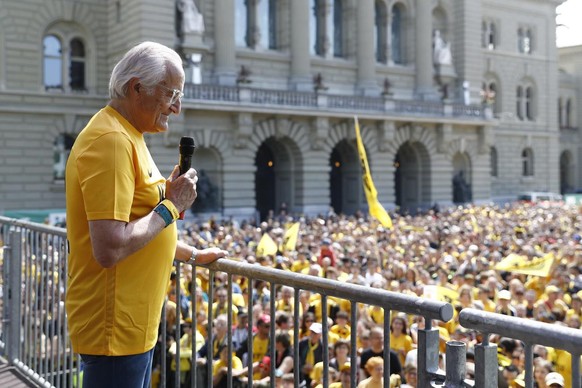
(300, 58)
(224, 44)
(365, 49)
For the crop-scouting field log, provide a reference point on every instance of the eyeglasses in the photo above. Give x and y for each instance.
(176, 94)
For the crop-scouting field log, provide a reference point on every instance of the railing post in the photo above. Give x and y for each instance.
(13, 264)
(428, 355)
(486, 364)
(456, 364)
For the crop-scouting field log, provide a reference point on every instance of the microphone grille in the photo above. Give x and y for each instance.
(187, 141)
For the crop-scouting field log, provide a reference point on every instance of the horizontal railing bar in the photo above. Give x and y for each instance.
(61, 232)
(429, 309)
(526, 330)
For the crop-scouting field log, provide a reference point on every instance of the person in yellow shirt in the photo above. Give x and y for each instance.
(400, 341)
(220, 368)
(221, 306)
(341, 328)
(484, 302)
(300, 263)
(286, 302)
(121, 221)
(575, 306)
(185, 350)
(562, 361)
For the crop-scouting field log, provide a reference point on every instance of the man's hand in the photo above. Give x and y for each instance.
(181, 189)
(208, 255)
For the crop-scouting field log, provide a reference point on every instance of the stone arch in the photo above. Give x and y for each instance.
(279, 128)
(209, 138)
(461, 145)
(411, 152)
(412, 134)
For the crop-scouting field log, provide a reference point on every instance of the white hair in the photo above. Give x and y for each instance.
(148, 61)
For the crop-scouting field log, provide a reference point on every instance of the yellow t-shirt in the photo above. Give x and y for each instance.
(112, 176)
(401, 345)
(377, 314)
(342, 332)
(299, 266)
(236, 364)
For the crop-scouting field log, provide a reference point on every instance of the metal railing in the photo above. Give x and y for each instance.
(34, 334)
(529, 332)
(248, 96)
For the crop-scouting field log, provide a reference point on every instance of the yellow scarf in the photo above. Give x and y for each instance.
(310, 359)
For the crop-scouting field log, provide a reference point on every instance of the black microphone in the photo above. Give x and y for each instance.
(187, 148)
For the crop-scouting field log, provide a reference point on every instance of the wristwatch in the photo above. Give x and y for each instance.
(192, 259)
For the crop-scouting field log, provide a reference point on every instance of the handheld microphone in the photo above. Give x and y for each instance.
(187, 148)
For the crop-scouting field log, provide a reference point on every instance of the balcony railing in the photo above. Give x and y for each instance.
(256, 97)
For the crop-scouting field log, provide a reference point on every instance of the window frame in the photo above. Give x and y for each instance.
(67, 33)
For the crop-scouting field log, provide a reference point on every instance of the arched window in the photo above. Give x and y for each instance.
(527, 160)
(380, 32)
(493, 161)
(397, 35)
(529, 101)
(242, 23)
(519, 102)
(77, 65)
(338, 28)
(61, 150)
(568, 118)
(52, 62)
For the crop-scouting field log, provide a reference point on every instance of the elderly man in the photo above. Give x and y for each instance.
(121, 215)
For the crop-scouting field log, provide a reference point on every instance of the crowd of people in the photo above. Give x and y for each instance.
(454, 250)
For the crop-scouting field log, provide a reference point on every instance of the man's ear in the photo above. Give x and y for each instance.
(134, 86)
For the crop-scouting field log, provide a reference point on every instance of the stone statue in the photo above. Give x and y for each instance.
(192, 20)
(462, 191)
(441, 50)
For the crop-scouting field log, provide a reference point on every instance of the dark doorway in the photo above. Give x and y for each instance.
(335, 181)
(412, 178)
(397, 180)
(265, 181)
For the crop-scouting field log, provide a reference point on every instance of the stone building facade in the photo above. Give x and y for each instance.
(456, 99)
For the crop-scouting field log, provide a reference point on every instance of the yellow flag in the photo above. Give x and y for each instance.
(474, 224)
(376, 209)
(266, 246)
(440, 293)
(539, 266)
(290, 237)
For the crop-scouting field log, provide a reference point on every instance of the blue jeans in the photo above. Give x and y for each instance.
(134, 371)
